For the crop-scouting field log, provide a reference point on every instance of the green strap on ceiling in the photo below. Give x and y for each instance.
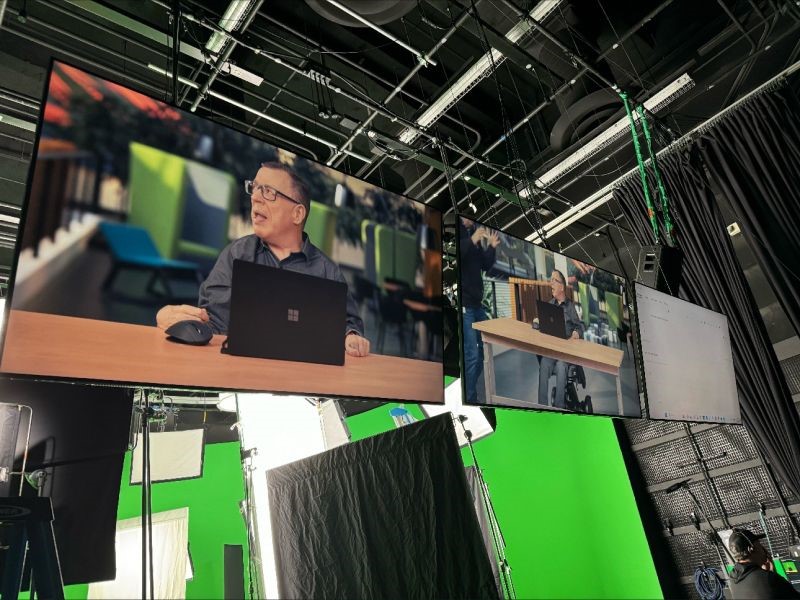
(662, 191)
(651, 213)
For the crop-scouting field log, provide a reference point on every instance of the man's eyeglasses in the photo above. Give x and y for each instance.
(268, 193)
(556, 280)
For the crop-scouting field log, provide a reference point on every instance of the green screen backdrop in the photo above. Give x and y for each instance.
(564, 502)
(558, 483)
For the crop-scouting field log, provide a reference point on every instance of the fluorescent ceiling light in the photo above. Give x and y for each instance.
(568, 218)
(229, 21)
(9, 219)
(18, 123)
(654, 104)
(120, 20)
(479, 70)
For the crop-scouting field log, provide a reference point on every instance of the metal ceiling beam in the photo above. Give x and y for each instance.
(144, 30)
(603, 195)
(411, 74)
(619, 148)
(103, 67)
(565, 86)
(424, 58)
(344, 59)
(230, 45)
(367, 103)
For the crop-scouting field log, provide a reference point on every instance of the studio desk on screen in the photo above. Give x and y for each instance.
(521, 336)
(68, 347)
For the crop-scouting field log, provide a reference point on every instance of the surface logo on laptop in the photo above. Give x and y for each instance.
(294, 315)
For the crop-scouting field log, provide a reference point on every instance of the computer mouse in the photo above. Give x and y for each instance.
(196, 333)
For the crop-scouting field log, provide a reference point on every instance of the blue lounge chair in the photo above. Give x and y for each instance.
(133, 248)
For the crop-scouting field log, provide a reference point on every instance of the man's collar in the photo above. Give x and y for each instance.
(307, 249)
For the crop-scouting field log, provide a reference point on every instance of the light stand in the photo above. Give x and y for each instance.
(146, 411)
(498, 540)
(684, 485)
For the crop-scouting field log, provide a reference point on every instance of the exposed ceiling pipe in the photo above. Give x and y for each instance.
(422, 57)
(367, 103)
(605, 194)
(230, 44)
(346, 60)
(144, 66)
(137, 81)
(724, 75)
(565, 86)
(472, 76)
(411, 74)
(260, 114)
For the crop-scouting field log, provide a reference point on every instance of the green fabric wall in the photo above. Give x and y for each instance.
(558, 482)
(564, 502)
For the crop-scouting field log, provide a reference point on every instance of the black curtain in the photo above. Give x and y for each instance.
(386, 517)
(753, 157)
(713, 278)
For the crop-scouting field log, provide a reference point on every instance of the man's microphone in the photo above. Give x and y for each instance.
(676, 486)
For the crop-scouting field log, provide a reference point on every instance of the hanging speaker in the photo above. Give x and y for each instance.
(660, 268)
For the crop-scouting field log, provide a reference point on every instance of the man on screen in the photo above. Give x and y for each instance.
(477, 246)
(280, 205)
(547, 366)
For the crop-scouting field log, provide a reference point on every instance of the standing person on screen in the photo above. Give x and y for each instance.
(753, 576)
(475, 257)
(558, 285)
(280, 205)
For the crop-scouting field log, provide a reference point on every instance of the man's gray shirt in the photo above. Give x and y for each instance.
(571, 319)
(215, 292)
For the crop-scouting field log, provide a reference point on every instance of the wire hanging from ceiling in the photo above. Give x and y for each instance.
(510, 145)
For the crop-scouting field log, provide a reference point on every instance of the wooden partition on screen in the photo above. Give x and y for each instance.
(525, 293)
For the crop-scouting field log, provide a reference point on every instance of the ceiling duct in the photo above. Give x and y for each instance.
(378, 12)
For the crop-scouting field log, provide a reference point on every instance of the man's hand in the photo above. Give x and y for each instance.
(355, 345)
(494, 239)
(173, 313)
(575, 335)
(479, 234)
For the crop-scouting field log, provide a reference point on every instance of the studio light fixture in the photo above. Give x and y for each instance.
(230, 20)
(480, 69)
(18, 123)
(654, 105)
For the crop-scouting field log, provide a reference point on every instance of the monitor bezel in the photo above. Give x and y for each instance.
(154, 385)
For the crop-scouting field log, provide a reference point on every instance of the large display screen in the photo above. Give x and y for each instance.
(686, 359)
(135, 215)
(541, 330)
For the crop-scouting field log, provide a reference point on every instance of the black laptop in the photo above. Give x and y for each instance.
(551, 319)
(284, 315)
